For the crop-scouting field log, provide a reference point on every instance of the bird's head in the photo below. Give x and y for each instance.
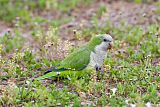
(101, 41)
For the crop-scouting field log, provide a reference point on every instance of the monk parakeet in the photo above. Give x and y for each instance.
(91, 55)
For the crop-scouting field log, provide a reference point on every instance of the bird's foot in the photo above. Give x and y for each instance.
(99, 72)
(98, 68)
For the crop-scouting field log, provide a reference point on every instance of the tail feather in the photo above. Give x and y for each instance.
(48, 75)
(54, 69)
(51, 72)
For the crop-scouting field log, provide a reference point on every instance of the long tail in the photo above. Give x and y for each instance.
(54, 69)
(51, 72)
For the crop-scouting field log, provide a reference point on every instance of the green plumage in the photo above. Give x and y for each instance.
(75, 61)
(78, 59)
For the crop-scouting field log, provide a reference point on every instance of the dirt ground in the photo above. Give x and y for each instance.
(118, 12)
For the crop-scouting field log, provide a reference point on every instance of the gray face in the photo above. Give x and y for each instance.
(107, 38)
(107, 42)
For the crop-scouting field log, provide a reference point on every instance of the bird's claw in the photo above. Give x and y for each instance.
(98, 68)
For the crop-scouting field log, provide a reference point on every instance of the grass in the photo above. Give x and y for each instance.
(131, 68)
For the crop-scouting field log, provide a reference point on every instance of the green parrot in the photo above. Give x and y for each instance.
(90, 55)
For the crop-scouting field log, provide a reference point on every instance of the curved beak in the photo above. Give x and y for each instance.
(110, 45)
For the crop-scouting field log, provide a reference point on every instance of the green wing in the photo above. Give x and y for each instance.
(77, 60)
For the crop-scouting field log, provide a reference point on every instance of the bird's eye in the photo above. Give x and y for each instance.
(105, 40)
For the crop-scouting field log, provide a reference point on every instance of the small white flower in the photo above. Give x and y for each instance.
(127, 100)
(58, 73)
(114, 90)
(28, 82)
(148, 104)
(132, 105)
